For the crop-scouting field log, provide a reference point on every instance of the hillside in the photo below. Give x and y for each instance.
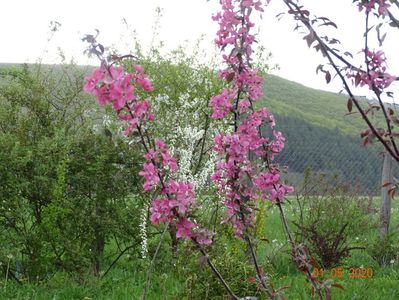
(320, 135)
(316, 107)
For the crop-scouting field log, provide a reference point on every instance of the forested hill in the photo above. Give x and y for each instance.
(317, 107)
(320, 135)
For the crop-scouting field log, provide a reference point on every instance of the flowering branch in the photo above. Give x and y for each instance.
(245, 172)
(112, 84)
(375, 76)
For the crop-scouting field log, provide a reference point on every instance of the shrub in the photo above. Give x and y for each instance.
(65, 185)
(232, 262)
(329, 216)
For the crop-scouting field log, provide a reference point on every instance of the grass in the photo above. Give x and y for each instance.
(126, 280)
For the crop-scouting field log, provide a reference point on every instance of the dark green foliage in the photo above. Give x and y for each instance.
(65, 189)
(321, 135)
(328, 151)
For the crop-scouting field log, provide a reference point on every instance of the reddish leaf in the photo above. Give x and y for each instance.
(329, 24)
(328, 77)
(303, 269)
(312, 291)
(310, 39)
(318, 48)
(337, 285)
(230, 77)
(349, 104)
(319, 68)
(251, 279)
(348, 54)
(392, 192)
(278, 16)
(365, 133)
(313, 262)
(357, 79)
(334, 41)
(386, 184)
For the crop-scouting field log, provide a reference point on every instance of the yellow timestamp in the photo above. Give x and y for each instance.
(341, 273)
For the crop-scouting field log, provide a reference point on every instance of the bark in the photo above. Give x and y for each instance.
(385, 208)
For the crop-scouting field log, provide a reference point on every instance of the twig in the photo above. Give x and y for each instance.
(326, 52)
(214, 270)
(7, 270)
(148, 274)
(116, 259)
(295, 249)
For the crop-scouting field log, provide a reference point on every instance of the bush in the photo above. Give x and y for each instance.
(65, 185)
(232, 263)
(329, 217)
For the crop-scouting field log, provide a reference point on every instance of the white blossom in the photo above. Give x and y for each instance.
(143, 231)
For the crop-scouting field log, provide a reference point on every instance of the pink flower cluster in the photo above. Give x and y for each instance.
(240, 178)
(234, 31)
(244, 171)
(221, 104)
(178, 198)
(369, 5)
(110, 84)
(175, 205)
(235, 24)
(376, 77)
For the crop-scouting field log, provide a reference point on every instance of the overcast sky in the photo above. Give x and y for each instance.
(24, 28)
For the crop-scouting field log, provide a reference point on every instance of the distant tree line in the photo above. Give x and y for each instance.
(329, 151)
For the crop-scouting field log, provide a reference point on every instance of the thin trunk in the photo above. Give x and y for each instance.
(385, 209)
(98, 243)
(174, 241)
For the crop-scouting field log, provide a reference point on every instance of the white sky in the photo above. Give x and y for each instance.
(24, 30)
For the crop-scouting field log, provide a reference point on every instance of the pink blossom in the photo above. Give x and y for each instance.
(114, 85)
(239, 173)
(150, 174)
(221, 104)
(145, 83)
(160, 211)
(376, 77)
(184, 226)
(369, 5)
(111, 84)
(204, 237)
(93, 80)
(182, 196)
